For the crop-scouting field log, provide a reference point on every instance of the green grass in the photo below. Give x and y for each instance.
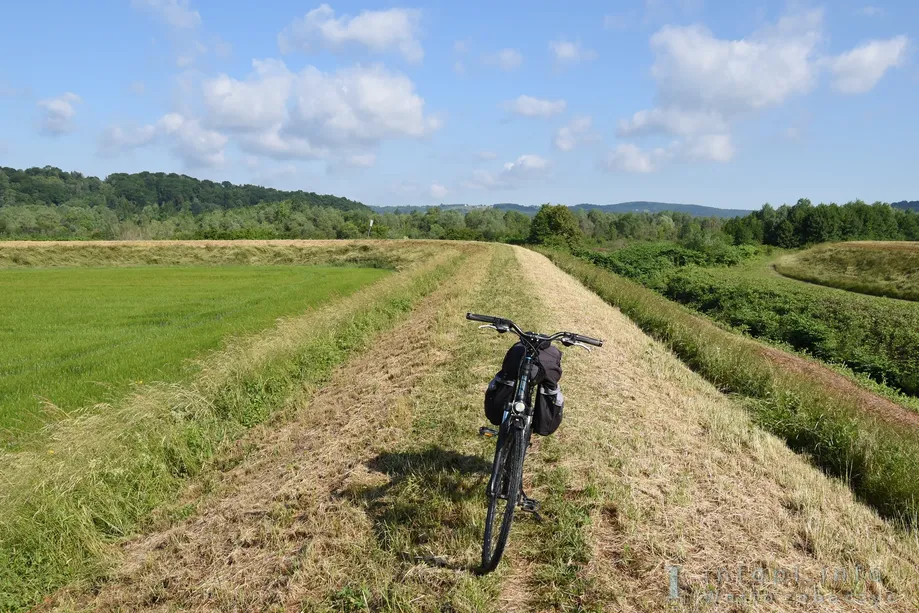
(877, 268)
(99, 476)
(78, 336)
(873, 336)
(877, 460)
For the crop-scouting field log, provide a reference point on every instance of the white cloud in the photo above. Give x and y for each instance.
(535, 107)
(196, 145)
(693, 69)
(714, 147)
(379, 31)
(705, 83)
(58, 113)
(525, 168)
(176, 13)
(859, 70)
(358, 105)
(117, 139)
(438, 191)
(506, 59)
(282, 114)
(567, 52)
(578, 130)
(459, 68)
(629, 158)
(260, 102)
(672, 121)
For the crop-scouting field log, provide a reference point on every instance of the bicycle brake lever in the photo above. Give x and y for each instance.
(500, 330)
(582, 346)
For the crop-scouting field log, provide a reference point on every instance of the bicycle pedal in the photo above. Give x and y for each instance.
(531, 506)
(487, 432)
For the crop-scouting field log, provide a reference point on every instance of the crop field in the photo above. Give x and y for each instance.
(329, 461)
(72, 337)
(888, 269)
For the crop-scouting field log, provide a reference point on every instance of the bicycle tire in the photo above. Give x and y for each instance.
(508, 464)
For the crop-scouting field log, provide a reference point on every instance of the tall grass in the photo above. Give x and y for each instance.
(874, 268)
(878, 460)
(100, 475)
(79, 336)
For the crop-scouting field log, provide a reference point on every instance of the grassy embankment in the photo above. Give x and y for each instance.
(888, 269)
(97, 476)
(874, 337)
(879, 460)
(74, 337)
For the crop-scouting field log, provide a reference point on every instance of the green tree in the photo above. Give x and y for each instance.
(554, 224)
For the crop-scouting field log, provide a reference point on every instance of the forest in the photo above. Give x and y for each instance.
(48, 203)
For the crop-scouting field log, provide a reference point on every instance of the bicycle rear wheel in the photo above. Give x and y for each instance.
(503, 491)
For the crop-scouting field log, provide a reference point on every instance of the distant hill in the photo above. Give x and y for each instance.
(912, 205)
(623, 207)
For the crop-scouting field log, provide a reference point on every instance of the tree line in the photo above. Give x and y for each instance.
(48, 203)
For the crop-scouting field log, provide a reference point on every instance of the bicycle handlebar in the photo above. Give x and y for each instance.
(507, 324)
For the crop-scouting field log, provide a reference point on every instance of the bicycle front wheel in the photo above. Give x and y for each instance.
(503, 491)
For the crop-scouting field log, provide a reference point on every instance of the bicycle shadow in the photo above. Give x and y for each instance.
(432, 497)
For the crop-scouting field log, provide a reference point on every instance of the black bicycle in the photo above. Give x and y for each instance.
(505, 488)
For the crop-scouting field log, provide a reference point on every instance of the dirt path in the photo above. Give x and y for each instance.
(881, 407)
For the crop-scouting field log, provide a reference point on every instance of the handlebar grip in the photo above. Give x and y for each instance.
(586, 339)
(486, 318)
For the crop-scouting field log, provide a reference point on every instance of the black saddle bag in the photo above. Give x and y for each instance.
(549, 401)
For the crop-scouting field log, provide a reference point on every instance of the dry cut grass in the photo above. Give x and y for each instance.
(367, 496)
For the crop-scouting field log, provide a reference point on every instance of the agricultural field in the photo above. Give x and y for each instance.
(329, 462)
(74, 337)
(888, 269)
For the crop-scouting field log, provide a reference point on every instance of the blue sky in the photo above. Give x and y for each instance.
(720, 103)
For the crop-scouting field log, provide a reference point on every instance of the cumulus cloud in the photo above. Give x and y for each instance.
(525, 168)
(578, 130)
(529, 106)
(118, 139)
(704, 84)
(58, 113)
(259, 102)
(505, 59)
(438, 191)
(567, 52)
(176, 13)
(629, 158)
(274, 112)
(196, 145)
(673, 121)
(380, 31)
(859, 70)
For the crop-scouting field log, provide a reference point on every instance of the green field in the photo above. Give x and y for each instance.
(874, 336)
(77, 336)
(877, 268)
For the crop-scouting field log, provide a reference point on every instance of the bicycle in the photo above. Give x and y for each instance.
(513, 438)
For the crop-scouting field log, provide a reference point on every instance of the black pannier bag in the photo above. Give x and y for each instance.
(547, 413)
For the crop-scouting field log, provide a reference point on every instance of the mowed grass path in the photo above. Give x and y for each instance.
(84, 335)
